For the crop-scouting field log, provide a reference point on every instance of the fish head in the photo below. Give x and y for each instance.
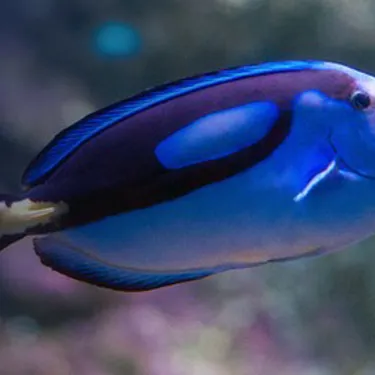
(352, 123)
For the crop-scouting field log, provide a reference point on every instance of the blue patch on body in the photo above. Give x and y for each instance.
(217, 135)
(73, 137)
(83, 267)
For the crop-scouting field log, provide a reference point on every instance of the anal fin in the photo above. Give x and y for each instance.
(79, 265)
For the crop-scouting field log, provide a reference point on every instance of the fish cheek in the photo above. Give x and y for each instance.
(354, 141)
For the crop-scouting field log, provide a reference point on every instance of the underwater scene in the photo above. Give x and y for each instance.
(187, 187)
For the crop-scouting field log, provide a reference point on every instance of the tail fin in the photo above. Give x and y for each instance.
(7, 240)
(18, 217)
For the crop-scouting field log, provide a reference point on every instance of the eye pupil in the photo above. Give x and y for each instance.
(360, 100)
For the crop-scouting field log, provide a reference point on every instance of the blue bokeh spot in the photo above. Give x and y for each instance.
(117, 39)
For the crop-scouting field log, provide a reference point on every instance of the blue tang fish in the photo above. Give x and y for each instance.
(226, 170)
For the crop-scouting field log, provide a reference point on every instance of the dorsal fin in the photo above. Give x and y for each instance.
(66, 142)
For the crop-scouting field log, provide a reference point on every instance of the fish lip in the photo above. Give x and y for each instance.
(345, 163)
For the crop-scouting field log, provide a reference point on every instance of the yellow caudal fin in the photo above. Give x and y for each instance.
(17, 217)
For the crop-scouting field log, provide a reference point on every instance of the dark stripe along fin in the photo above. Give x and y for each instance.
(71, 138)
(83, 267)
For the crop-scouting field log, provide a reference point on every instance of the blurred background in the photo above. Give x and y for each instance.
(60, 60)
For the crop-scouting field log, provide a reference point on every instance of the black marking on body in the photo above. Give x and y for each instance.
(119, 172)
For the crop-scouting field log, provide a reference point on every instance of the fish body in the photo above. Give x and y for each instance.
(227, 170)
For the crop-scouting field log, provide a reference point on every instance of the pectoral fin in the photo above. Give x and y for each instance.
(315, 181)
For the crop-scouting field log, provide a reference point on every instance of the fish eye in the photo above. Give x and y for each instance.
(360, 100)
